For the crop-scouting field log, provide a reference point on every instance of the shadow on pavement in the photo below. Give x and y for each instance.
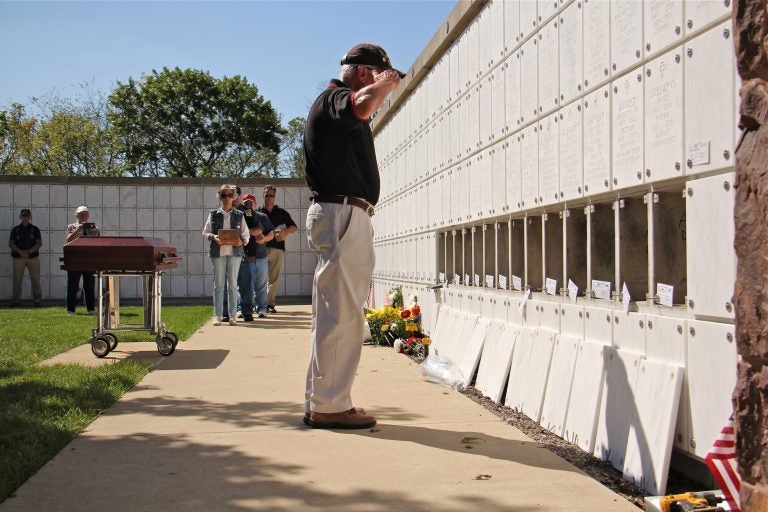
(184, 475)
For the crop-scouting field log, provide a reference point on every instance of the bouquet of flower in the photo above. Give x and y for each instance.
(384, 323)
(415, 347)
(389, 323)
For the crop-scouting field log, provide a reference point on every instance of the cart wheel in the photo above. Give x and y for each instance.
(100, 346)
(166, 346)
(173, 336)
(112, 340)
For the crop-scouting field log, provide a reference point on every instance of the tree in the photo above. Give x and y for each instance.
(292, 152)
(70, 144)
(187, 123)
(17, 140)
(248, 162)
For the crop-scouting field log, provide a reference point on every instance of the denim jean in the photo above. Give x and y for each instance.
(261, 284)
(253, 280)
(225, 267)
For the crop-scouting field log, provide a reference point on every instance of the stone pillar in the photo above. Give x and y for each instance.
(750, 27)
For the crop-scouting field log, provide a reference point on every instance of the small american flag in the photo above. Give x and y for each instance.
(721, 461)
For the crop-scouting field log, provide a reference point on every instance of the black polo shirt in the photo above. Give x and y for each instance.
(25, 237)
(277, 217)
(339, 155)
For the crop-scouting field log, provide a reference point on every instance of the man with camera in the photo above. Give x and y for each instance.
(74, 231)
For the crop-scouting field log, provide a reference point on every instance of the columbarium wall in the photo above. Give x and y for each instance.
(565, 170)
(172, 209)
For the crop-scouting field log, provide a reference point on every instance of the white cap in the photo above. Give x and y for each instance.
(81, 209)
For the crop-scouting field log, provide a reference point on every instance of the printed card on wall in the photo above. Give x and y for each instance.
(698, 153)
(626, 298)
(551, 286)
(665, 293)
(601, 289)
(489, 281)
(477, 279)
(503, 282)
(442, 277)
(456, 279)
(517, 283)
(467, 282)
(573, 291)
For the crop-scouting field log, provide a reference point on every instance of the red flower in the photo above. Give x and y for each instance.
(405, 314)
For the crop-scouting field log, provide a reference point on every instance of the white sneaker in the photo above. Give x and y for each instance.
(232, 321)
(217, 320)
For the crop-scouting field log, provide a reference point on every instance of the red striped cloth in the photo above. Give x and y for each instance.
(721, 461)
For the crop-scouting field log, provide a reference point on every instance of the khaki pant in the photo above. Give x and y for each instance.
(342, 238)
(33, 264)
(275, 258)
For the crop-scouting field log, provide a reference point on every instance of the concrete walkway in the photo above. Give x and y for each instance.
(217, 426)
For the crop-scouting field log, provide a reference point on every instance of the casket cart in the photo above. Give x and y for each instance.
(113, 258)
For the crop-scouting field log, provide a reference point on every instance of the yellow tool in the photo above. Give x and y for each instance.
(698, 502)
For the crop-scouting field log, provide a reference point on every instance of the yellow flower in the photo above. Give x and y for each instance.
(384, 327)
(426, 341)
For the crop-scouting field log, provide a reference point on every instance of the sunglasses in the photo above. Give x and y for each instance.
(269, 195)
(226, 195)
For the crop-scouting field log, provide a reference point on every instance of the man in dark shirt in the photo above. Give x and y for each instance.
(252, 279)
(284, 226)
(341, 171)
(25, 244)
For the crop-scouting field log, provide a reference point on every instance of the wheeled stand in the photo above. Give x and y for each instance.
(103, 339)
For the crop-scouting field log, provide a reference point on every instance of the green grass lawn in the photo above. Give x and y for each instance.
(42, 408)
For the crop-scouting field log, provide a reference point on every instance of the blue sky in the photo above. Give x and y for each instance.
(289, 49)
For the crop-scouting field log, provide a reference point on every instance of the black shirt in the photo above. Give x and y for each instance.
(278, 217)
(25, 237)
(339, 155)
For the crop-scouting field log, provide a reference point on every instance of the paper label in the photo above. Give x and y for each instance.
(467, 281)
(626, 298)
(489, 281)
(517, 283)
(503, 282)
(442, 277)
(573, 291)
(477, 279)
(665, 293)
(456, 279)
(601, 289)
(551, 285)
(524, 300)
(698, 153)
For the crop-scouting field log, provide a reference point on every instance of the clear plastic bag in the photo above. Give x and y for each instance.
(441, 370)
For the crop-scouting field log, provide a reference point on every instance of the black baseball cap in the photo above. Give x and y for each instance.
(25, 211)
(371, 55)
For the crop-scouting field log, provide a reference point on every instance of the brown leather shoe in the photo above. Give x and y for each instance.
(305, 420)
(350, 419)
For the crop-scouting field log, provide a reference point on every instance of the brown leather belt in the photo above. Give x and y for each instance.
(354, 201)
